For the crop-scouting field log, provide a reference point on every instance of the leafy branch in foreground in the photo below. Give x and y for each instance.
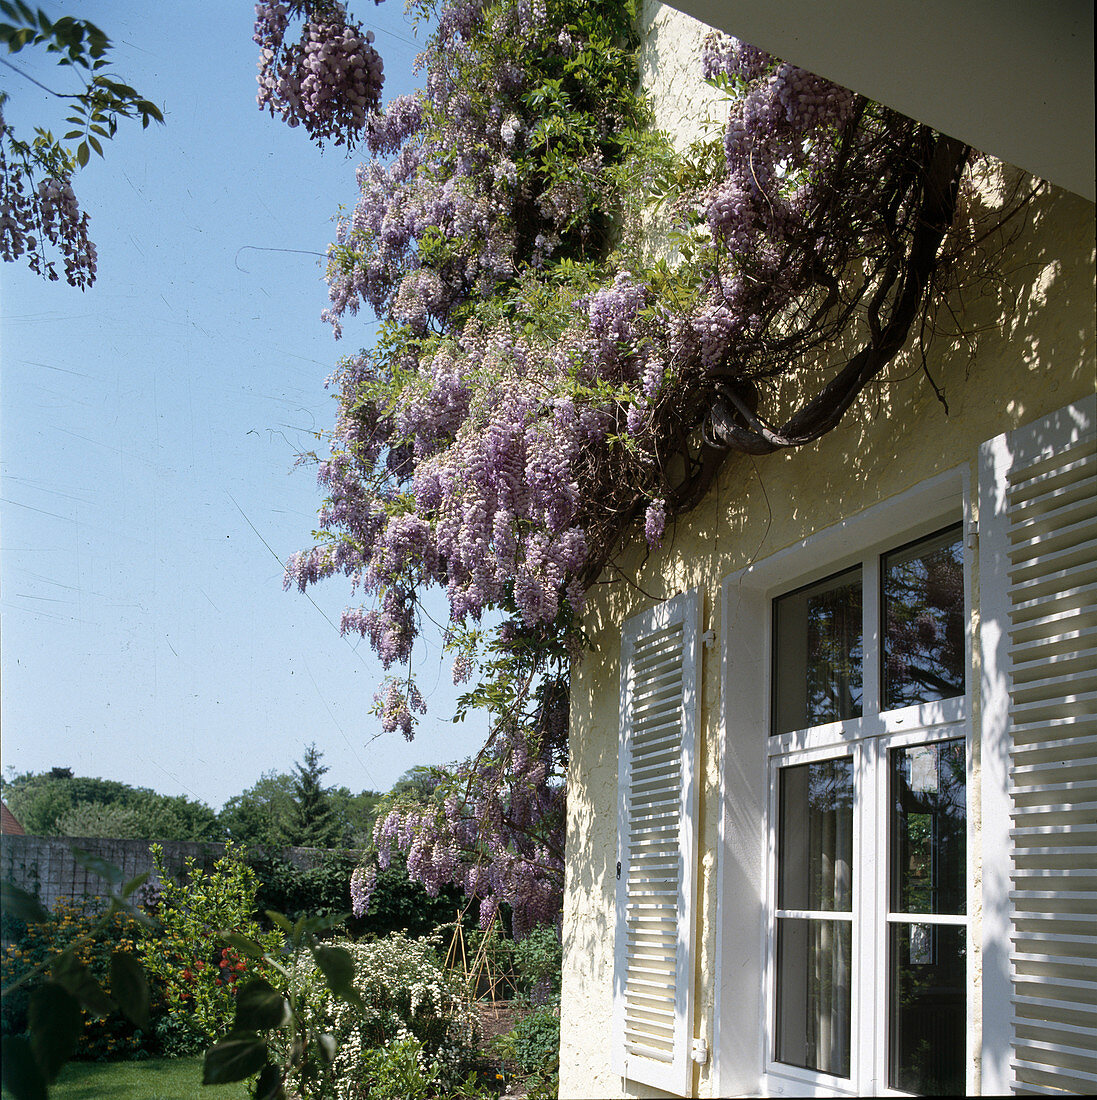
(55, 1017)
(272, 1038)
(39, 211)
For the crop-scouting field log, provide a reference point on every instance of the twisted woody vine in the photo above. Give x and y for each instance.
(578, 326)
(552, 375)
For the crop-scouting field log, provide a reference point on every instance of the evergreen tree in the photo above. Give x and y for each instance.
(315, 822)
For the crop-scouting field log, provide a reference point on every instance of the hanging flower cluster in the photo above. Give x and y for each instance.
(541, 385)
(42, 216)
(329, 81)
(493, 827)
(39, 212)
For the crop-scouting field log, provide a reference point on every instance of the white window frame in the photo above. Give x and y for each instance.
(748, 749)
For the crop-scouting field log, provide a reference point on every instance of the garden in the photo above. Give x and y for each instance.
(183, 987)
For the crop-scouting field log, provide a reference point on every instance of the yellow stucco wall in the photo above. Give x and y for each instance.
(1027, 348)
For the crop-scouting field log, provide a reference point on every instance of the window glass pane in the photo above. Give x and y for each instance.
(928, 1028)
(923, 657)
(813, 994)
(815, 847)
(929, 829)
(818, 654)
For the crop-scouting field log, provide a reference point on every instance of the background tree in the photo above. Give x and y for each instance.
(55, 804)
(97, 819)
(315, 822)
(263, 814)
(39, 212)
(267, 813)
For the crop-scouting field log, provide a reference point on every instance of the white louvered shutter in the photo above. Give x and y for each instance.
(657, 845)
(1046, 524)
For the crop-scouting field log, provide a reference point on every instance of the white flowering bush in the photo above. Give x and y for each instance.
(408, 998)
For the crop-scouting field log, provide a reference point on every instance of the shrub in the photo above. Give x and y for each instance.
(396, 1072)
(406, 997)
(537, 1041)
(538, 958)
(193, 971)
(320, 891)
(95, 940)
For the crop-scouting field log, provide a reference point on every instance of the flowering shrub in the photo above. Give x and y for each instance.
(195, 974)
(397, 1071)
(406, 996)
(93, 939)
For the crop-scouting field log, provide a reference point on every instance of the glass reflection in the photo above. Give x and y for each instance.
(818, 654)
(928, 1030)
(923, 591)
(815, 839)
(929, 829)
(813, 994)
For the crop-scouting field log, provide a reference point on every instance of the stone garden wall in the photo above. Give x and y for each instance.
(44, 865)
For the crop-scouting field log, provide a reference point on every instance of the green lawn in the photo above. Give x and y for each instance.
(156, 1079)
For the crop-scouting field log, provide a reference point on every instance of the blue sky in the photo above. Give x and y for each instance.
(148, 434)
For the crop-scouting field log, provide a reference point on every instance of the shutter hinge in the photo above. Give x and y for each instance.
(709, 638)
(971, 536)
(700, 1051)
(618, 869)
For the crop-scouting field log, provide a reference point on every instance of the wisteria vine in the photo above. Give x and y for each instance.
(544, 386)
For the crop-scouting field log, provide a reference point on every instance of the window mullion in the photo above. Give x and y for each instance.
(870, 907)
(872, 633)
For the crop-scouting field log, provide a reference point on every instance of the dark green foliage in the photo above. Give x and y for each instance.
(266, 814)
(400, 904)
(323, 890)
(537, 1041)
(538, 959)
(314, 822)
(45, 802)
(23, 1078)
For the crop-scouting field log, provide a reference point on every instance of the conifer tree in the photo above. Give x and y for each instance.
(315, 822)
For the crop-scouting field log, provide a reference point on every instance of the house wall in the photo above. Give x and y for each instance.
(1026, 349)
